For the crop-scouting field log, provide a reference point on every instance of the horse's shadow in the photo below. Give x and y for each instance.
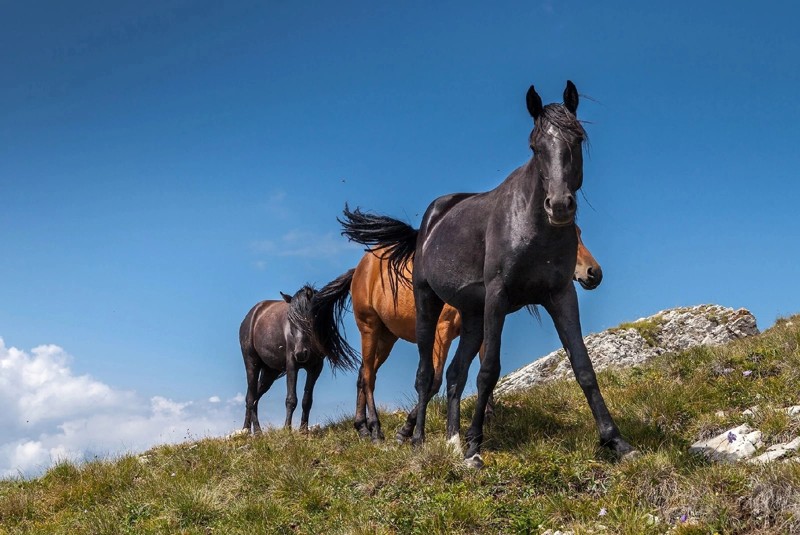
(516, 424)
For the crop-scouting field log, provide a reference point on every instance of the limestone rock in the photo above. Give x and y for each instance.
(776, 451)
(637, 342)
(732, 445)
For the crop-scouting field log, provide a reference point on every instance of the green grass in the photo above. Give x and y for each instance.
(544, 467)
(647, 328)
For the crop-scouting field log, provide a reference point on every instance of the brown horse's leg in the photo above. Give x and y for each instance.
(360, 421)
(312, 374)
(386, 341)
(369, 327)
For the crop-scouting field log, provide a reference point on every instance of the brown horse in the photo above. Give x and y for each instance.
(382, 320)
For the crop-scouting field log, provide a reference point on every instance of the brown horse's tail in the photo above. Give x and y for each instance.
(389, 239)
(327, 308)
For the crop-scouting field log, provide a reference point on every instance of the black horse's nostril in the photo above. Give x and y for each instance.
(548, 204)
(570, 203)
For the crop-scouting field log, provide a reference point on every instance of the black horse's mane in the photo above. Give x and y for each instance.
(562, 120)
(300, 309)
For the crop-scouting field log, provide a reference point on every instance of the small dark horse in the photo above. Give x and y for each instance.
(281, 337)
(490, 254)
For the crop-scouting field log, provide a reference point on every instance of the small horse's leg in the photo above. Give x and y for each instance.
(384, 346)
(252, 368)
(291, 392)
(457, 372)
(563, 308)
(428, 306)
(312, 374)
(265, 380)
(494, 315)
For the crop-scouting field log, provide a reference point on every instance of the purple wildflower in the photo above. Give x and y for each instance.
(731, 437)
(747, 373)
(602, 512)
(684, 518)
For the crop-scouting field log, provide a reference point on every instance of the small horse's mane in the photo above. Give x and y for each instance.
(563, 122)
(300, 309)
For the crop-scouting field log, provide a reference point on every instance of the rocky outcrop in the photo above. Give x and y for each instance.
(634, 343)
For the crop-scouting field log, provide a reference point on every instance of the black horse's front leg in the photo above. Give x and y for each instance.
(291, 393)
(494, 315)
(563, 308)
(312, 374)
(458, 371)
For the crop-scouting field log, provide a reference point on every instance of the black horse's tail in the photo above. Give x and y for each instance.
(327, 308)
(389, 239)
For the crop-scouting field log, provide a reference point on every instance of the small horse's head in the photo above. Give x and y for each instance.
(557, 143)
(300, 334)
(588, 272)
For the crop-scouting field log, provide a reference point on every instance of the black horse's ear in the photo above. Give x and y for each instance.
(571, 97)
(534, 102)
(309, 292)
(287, 298)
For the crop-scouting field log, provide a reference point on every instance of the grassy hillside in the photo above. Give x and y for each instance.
(544, 468)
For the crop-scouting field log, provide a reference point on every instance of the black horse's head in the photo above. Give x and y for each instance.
(557, 143)
(300, 335)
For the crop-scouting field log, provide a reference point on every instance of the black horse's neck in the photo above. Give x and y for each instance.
(525, 192)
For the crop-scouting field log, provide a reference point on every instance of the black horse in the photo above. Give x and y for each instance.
(281, 337)
(490, 254)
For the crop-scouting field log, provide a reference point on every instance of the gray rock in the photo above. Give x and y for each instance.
(776, 451)
(732, 445)
(670, 330)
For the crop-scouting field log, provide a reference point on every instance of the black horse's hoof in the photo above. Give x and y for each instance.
(621, 449)
(475, 461)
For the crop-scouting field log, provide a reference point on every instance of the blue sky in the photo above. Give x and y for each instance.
(165, 165)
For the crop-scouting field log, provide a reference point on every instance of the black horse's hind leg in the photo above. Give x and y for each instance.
(411, 420)
(291, 392)
(429, 306)
(312, 374)
(563, 308)
(495, 308)
(457, 372)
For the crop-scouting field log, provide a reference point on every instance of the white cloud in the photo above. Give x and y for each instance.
(304, 244)
(49, 414)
